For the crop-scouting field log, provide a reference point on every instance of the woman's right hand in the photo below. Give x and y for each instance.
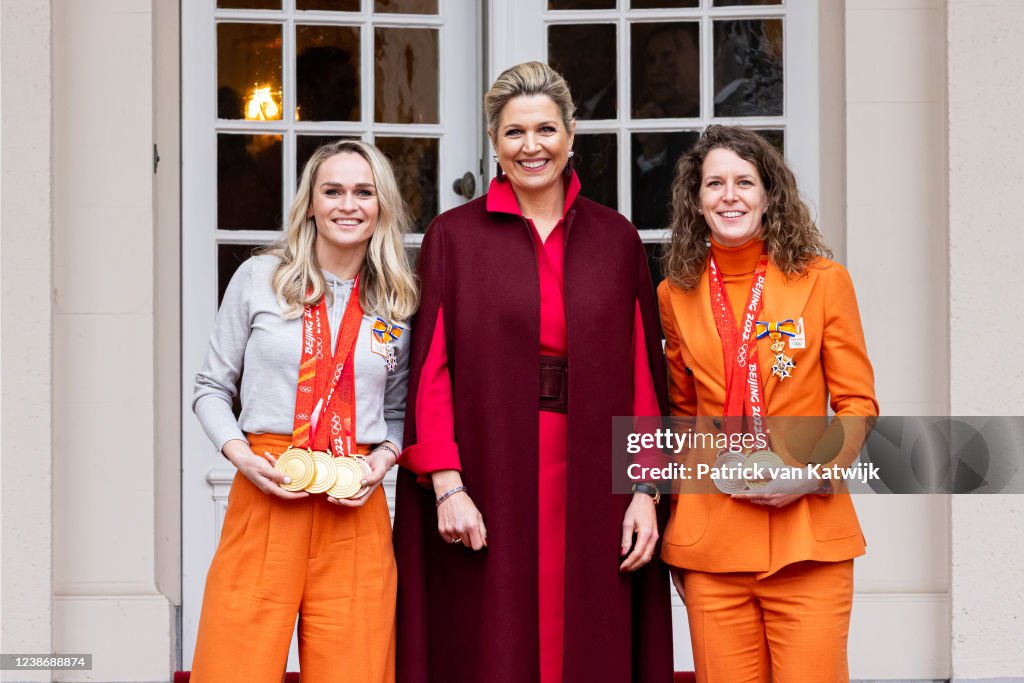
(259, 470)
(458, 519)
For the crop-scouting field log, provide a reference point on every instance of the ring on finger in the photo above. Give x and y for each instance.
(457, 539)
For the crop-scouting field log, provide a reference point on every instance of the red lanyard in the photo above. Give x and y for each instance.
(743, 389)
(320, 374)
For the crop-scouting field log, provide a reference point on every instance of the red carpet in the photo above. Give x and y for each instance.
(182, 677)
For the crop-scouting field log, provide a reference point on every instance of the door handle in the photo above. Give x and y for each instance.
(465, 186)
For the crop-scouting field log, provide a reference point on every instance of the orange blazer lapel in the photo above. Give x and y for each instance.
(696, 325)
(784, 299)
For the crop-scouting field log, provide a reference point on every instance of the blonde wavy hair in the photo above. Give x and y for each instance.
(387, 286)
(790, 235)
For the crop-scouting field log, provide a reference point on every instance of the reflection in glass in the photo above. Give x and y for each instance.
(581, 4)
(777, 138)
(248, 182)
(662, 4)
(732, 3)
(654, 168)
(328, 5)
(405, 6)
(665, 70)
(748, 67)
(585, 55)
(249, 71)
(327, 73)
(229, 257)
(305, 145)
(655, 252)
(415, 161)
(249, 4)
(406, 75)
(597, 166)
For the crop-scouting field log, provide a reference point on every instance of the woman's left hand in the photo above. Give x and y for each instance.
(641, 519)
(781, 492)
(380, 461)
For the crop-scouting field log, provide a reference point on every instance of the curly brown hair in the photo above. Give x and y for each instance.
(790, 235)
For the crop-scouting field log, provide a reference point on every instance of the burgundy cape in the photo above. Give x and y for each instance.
(472, 617)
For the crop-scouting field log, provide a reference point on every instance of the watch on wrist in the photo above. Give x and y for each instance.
(651, 491)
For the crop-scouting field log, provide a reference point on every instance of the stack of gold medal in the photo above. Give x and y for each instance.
(739, 465)
(319, 472)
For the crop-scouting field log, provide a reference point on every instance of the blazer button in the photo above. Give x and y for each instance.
(717, 423)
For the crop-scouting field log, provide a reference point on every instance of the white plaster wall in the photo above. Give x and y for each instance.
(986, 140)
(105, 574)
(895, 248)
(26, 332)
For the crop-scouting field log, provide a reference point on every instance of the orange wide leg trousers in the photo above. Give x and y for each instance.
(790, 627)
(333, 566)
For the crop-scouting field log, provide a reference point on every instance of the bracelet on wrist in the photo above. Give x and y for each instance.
(386, 447)
(448, 494)
(648, 489)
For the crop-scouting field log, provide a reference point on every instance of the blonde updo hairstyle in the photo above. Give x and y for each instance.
(528, 78)
(387, 286)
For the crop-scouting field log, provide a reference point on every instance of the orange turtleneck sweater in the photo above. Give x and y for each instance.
(737, 265)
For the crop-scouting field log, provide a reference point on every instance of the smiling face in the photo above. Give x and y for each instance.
(532, 143)
(344, 206)
(732, 197)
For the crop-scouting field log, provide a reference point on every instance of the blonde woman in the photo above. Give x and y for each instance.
(332, 300)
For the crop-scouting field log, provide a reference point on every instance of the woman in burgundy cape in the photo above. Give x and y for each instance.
(517, 563)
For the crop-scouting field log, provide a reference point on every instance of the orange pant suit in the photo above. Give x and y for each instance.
(333, 566)
(768, 590)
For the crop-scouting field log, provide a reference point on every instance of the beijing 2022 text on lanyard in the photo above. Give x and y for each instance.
(744, 393)
(308, 461)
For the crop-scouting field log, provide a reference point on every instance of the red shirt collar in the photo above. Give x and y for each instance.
(501, 198)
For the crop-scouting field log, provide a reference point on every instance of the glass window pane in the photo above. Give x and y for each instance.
(249, 182)
(405, 6)
(748, 67)
(666, 70)
(585, 55)
(406, 75)
(654, 168)
(305, 145)
(229, 257)
(249, 4)
(249, 71)
(596, 164)
(415, 161)
(328, 5)
(581, 4)
(662, 4)
(733, 3)
(777, 138)
(327, 73)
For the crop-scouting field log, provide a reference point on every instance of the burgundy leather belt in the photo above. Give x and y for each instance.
(554, 384)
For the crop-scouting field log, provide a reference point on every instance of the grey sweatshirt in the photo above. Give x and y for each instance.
(250, 333)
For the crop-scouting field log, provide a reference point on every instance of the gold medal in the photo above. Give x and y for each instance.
(760, 461)
(298, 465)
(326, 473)
(350, 475)
(729, 465)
